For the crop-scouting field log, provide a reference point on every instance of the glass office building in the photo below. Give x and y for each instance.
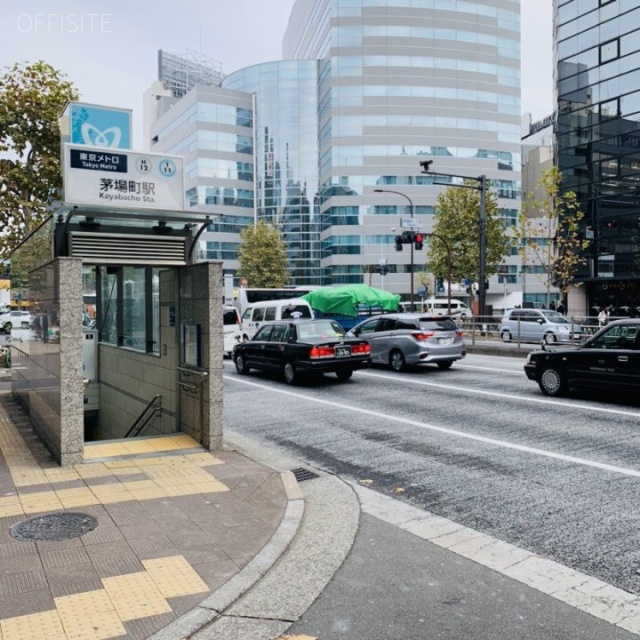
(367, 90)
(598, 141)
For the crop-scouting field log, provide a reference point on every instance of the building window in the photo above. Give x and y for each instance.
(129, 307)
(609, 51)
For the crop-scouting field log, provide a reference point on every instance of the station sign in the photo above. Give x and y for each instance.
(107, 177)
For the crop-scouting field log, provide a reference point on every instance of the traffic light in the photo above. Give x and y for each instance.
(408, 237)
(382, 269)
(399, 243)
(418, 237)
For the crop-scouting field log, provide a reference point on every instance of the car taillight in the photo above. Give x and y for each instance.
(321, 352)
(423, 336)
(361, 349)
(459, 333)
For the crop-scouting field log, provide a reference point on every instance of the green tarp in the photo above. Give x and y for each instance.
(352, 299)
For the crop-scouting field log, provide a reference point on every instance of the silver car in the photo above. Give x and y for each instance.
(534, 325)
(402, 339)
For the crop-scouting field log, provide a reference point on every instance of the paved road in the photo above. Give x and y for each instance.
(477, 444)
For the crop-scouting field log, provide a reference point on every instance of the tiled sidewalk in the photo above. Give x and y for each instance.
(174, 524)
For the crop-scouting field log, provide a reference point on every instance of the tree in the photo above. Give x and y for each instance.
(263, 256)
(457, 219)
(32, 98)
(549, 233)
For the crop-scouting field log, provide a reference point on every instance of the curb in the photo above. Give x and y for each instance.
(278, 586)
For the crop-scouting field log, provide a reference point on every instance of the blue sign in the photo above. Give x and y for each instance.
(100, 126)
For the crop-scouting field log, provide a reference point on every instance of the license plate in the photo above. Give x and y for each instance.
(342, 352)
(445, 340)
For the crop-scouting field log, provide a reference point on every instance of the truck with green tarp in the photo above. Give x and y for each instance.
(350, 304)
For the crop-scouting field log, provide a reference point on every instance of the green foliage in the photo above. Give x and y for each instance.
(549, 232)
(263, 256)
(32, 97)
(457, 220)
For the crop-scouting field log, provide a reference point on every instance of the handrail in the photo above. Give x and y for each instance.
(141, 421)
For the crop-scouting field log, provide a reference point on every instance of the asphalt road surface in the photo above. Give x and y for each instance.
(478, 444)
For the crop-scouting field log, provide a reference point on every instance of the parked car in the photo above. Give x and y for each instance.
(268, 310)
(440, 307)
(300, 347)
(534, 325)
(17, 319)
(401, 339)
(610, 359)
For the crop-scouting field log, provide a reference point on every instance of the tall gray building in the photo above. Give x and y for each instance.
(367, 90)
(598, 142)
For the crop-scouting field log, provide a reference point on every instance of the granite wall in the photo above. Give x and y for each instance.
(200, 398)
(47, 358)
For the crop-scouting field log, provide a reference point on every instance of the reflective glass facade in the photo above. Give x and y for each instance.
(402, 81)
(286, 156)
(598, 139)
(368, 88)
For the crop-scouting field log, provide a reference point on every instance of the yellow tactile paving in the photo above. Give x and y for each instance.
(10, 506)
(92, 470)
(150, 445)
(174, 576)
(79, 497)
(203, 459)
(39, 502)
(26, 474)
(89, 616)
(61, 474)
(144, 490)
(46, 624)
(135, 595)
(111, 493)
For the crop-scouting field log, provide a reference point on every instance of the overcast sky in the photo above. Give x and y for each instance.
(108, 48)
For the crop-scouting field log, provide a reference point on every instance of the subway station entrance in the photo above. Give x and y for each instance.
(125, 334)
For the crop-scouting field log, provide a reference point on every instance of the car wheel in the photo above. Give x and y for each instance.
(552, 382)
(289, 372)
(7, 327)
(446, 364)
(506, 336)
(396, 360)
(549, 338)
(241, 365)
(344, 374)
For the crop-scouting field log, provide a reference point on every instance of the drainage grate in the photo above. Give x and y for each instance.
(304, 474)
(53, 527)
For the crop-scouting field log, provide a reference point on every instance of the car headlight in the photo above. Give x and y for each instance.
(529, 359)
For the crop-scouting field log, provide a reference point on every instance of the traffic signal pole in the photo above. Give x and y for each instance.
(411, 211)
(482, 224)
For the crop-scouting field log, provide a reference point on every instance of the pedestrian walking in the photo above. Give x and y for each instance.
(560, 308)
(603, 317)
(552, 306)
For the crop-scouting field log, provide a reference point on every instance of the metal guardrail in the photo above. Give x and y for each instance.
(481, 328)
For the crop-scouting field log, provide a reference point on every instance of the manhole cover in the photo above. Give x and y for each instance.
(54, 526)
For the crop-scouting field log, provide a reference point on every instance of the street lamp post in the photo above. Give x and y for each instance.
(411, 208)
(382, 262)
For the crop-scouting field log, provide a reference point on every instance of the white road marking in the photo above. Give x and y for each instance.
(451, 432)
(497, 394)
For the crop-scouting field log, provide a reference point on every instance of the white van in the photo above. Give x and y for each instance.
(258, 312)
(231, 329)
(439, 307)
